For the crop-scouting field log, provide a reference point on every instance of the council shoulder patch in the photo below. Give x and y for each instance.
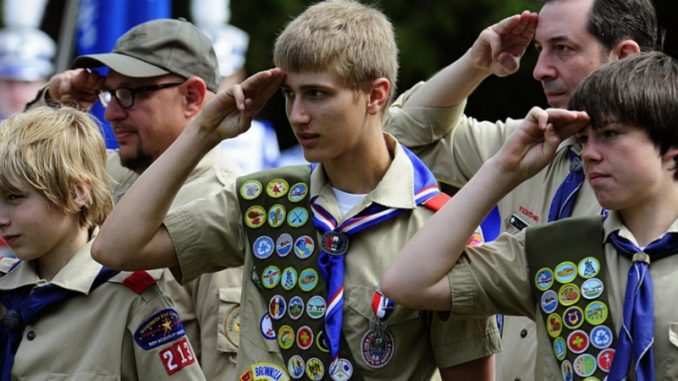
(163, 327)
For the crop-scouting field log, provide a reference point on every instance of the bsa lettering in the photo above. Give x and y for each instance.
(528, 213)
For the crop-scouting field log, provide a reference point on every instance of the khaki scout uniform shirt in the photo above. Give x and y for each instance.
(209, 235)
(210, 304)
(91, 337)
(454, 146)
(494, 278)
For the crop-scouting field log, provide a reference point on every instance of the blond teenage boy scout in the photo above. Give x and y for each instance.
(587, 281)
(338, 61)
(572, 37)
(62, 314)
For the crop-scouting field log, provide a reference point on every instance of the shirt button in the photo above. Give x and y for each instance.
(30, 335)
(523, 333)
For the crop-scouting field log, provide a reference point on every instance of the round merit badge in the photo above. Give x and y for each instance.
(377, 350)
(276, 215)
(543, 279)
(250, 189)
(315, 370)
(232, 326)
(295, 367)
(298, 192)
(277, 188)
(283, 245)
(588, 267)
(565, 272)
(255, 216)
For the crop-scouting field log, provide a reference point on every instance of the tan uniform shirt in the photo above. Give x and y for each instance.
(209, 305)
(92, 336)
(454, 146)
(209, 235)
(497, 280)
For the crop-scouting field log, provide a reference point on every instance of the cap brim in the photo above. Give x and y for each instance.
(125, 65)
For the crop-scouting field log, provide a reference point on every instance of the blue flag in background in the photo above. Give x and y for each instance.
(101, 22)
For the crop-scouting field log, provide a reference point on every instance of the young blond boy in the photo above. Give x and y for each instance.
(337, 63)
(571, 276)
(63, 314)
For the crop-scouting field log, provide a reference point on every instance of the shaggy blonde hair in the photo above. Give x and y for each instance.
(355, 40)
(57, 151)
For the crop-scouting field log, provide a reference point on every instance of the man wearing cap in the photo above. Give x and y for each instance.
(161, 74)
(25, 65)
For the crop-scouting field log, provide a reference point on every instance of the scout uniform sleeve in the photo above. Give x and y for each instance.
(207, 234)
(493, 278)
(418, 127)
(479, 337)
(160, 346)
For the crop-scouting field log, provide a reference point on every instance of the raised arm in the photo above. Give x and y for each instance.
(133, 236)
(77, 88)
(417, 278)
(497, 50)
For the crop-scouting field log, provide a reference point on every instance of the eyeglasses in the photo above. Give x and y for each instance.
(125, 95)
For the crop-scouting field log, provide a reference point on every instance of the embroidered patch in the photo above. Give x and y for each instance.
(270, 277)
(262, 247)
(588, 267)
(232, 326)
(568, 294)
(277, 188)
(295, 367)
(341, 370)
(559, 348)
(601, 336)
(544, 279)
(297, 217)
(566, 370)
(163, 327)
(596, 313)
(315, 370)
(573, 317)
(592, 288)
(277, 307)
(177, 356)
(584, 365)
(549, 301)
(315, 307)
(295, 307)
(255, 216)
(566, 272)
(250, 189)
(554, 325)
(304, 337)
(276, 215)
(377, 351)
(283, 245)
(285, 337)
(321, 342)
(289, 278)
(265, 371)
(304, 246)
(266, 327)
(298, 192)
(605, 358)
(308, 279)
(578, 341)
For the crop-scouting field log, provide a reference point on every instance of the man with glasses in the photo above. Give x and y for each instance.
(161, 74)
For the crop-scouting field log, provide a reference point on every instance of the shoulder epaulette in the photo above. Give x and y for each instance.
(137, 281)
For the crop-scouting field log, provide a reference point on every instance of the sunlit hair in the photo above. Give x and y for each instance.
(54, 150)
(355, 40)
(611, 21)
(640, 91)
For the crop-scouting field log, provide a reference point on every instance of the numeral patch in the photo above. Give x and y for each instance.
(177, 356)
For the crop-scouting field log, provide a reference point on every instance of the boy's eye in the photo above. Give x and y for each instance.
(13, 197)
(287, 93)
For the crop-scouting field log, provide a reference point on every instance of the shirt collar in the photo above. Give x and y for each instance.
(613, 223)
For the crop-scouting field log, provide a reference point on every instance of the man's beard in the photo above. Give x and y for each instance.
(138, 163)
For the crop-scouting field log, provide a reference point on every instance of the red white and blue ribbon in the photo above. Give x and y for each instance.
(332, 266)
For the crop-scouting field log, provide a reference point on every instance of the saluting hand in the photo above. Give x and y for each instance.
(231, 112)
(500, 47)
(76, 88)
(530, 148)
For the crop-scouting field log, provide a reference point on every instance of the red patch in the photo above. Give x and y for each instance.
(436, 202)
(177, 356)
(139, 281)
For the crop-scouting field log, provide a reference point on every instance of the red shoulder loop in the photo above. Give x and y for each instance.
(139, 281)
(438, 201)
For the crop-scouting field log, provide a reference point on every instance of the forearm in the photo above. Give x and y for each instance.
(132, 237)
(450, 86)
(417, 277)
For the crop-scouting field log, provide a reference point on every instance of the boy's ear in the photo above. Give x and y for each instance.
(379, 95)
(80, 194)
(625, 48)
(671, 154)
(195, 91)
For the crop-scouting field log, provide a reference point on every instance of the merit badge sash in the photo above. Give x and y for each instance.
(568, 272)
(285, 249)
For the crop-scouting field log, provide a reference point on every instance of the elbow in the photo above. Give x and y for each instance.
(396, 290)
(102, 254)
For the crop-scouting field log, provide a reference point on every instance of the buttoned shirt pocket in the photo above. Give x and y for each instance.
(228, 320)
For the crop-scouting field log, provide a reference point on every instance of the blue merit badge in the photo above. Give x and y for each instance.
(163, 327)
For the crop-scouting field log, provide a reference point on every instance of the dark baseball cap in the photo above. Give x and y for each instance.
(160, 47)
